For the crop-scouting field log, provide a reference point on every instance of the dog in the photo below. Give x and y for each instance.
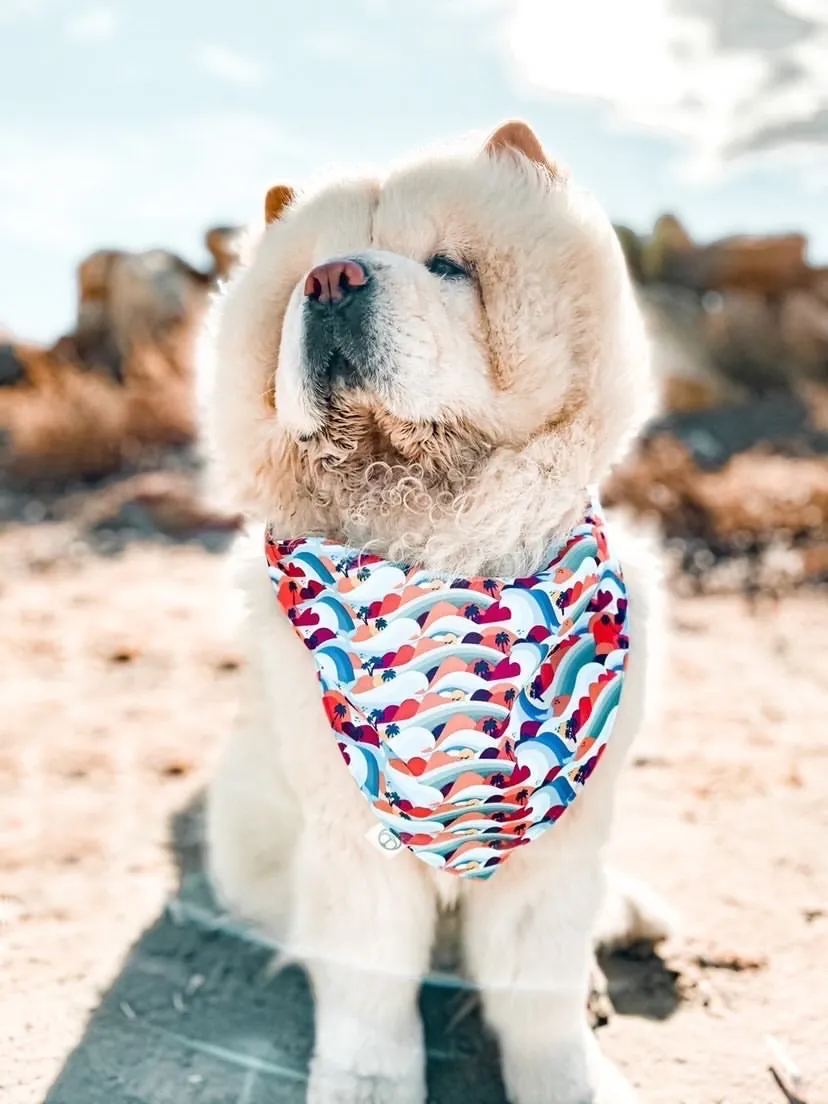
(432, 369)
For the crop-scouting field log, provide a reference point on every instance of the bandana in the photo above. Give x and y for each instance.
(470, 711)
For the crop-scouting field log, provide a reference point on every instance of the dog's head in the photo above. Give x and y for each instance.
(439, 363)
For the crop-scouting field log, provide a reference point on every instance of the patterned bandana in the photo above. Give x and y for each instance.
(470, 712)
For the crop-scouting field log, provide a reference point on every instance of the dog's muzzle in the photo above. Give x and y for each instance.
(337, 323)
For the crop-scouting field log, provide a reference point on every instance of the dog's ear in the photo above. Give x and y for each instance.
(518, 138)
(277, 199)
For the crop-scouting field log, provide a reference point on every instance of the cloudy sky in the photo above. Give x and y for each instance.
(140, 122)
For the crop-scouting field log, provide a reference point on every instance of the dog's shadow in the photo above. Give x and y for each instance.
(197, 1015)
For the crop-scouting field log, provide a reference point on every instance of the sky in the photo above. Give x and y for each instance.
(140, 123)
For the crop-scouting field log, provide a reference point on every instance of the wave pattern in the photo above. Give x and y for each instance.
(470, 712)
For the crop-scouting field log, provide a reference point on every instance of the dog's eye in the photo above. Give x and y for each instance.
(445, 267)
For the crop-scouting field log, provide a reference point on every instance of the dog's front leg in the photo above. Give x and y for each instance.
(528, 945)
(364, 926)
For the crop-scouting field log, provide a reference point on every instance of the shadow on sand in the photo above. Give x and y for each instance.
(195, 1016)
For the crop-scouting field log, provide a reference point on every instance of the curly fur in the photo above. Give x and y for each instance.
(498, 402)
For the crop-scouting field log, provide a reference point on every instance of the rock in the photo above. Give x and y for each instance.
(741, 331)
(668, 241)
(815, 398)
(684, 368)
(120, 383)
(759, 497)
(753, 500)
(803, 327)
(12, 366)
(223, 244)
(763, 266)
(712, 349)
(819, 283)
(69, 421)
(814, 562)
(157, 502)
(126, 300)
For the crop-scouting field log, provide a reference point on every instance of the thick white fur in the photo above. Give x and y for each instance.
(538, 378)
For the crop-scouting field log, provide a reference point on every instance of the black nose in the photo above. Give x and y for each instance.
(338, 331)
(333, 281)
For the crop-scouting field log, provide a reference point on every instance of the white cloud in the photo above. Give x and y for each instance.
(728, 79)
(92, 25)
(229, 65)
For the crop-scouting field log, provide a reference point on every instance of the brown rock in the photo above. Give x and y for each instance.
(815, 397)
(223, 244)
(803, 327)
(685, 370)
(760, 496)
(138, 296)
(13, 363)
(819, 283)
(765, 266)
(68, 421)
(814, 560)
(166, 501)
(741, 332)
(754, 498)
(120, 382)
(668, 240)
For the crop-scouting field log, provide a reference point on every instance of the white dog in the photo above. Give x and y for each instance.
(433, 368)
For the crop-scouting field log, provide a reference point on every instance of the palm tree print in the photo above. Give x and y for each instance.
(507, 813)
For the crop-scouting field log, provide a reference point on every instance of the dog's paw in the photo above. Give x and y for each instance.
(332, 1086)
(632, 913)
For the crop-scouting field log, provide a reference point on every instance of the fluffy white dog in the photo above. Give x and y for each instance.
(433, 368)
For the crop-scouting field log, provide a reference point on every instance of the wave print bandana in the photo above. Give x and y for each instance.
(470, 712)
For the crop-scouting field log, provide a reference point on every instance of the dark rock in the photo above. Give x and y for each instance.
(12, 367)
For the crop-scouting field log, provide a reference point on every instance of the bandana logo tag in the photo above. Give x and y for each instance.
(385, 841)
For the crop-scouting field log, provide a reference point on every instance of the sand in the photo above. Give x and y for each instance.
(120, 676)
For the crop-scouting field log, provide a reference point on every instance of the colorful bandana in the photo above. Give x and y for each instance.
(470, 712)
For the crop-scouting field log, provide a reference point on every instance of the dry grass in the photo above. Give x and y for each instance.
(67, 421)
(756, 497)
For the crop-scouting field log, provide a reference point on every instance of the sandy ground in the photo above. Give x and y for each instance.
(119, 682)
